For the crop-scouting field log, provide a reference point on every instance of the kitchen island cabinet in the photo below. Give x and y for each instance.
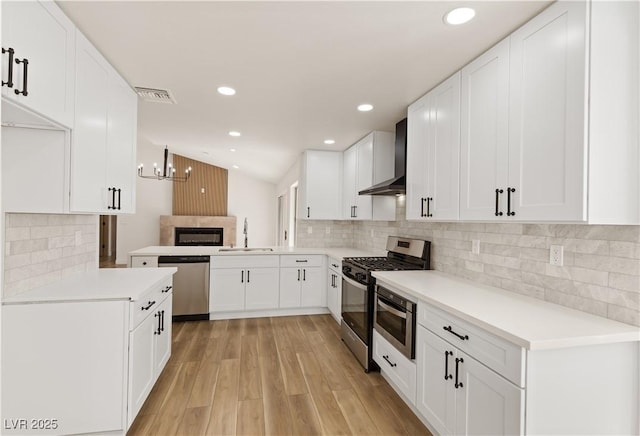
(302, 282)
(513, 362)
(71, 351)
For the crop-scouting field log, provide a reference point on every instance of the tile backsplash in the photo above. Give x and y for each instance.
(42, 249)
(600, 274)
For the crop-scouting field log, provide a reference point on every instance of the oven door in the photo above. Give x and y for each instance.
(394, 320)
(355, 302)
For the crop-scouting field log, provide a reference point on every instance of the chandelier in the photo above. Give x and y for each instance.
(167, 172)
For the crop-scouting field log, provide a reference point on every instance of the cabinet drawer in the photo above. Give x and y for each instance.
(504, 357)
(399, 369)
(144, 261)
(147, 303)
(242, 261)
(335, 264)
(300, 261)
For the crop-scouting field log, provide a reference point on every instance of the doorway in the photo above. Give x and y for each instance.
(107, 252)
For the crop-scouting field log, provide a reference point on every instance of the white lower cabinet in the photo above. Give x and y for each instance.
(459, 395)
(395, 366)
(334, 289)
(240, 283)
(302, 281)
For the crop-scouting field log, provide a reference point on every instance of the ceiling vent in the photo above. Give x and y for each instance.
(156, 95)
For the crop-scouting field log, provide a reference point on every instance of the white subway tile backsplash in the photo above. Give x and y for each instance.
(41, 249)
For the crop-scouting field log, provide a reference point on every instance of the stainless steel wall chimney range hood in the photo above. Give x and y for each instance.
(397, 185)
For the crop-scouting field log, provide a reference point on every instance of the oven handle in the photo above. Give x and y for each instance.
(354, 283)
(392, 310)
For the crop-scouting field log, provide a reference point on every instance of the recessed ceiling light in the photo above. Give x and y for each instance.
(225, 90)
(329, 141)
(459, 16)
(232, 150)
(365, 107)
(236, 166)
(234, 133)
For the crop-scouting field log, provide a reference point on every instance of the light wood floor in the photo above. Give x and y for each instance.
(277, 376)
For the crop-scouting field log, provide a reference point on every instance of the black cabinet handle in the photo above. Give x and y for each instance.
(25, 74)
(9, 81)
(248, 276)
(298, 275)
(148, 306)
(304, 275)
(242, 276)
(162, 321)
(450, 330)
(447, 376)
(498, 192)
(119, 197)
(393, 365)
(113, 198)
(157, 330)
(167, 289)
(302, 260)
(509, 192)
(308, 212)
(355, 211)
(421, 207)
(429, 200)
(458, 361)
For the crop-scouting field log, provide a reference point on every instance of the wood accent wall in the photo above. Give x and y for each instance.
(188, 198)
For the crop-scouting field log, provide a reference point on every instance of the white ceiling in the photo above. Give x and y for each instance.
(299, 68)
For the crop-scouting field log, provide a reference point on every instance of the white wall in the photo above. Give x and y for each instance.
(153, 198)
(292, 176)
(247, 197)
(256, 200)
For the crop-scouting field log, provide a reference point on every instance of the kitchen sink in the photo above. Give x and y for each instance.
(244, 249)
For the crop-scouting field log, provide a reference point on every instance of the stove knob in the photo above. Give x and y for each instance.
(361, 277)
(346, 269)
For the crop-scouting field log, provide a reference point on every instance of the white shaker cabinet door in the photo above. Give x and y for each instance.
(290, 284)
(349, 177)
(485, 402)
(484, 135)
(417, 149)
(227, 290)
(364, 178)
(314, 291)
(141, 364)
(262, 288)
(162, 349)
(547, 153)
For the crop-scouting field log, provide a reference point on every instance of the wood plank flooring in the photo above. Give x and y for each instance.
(269, 376)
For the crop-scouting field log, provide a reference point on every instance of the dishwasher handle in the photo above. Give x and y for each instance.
(182, 259)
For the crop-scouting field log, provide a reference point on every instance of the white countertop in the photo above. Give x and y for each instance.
(528, 322)
(101, 284)
(169, 250)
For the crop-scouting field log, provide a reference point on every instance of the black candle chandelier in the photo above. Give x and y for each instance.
(167, 172)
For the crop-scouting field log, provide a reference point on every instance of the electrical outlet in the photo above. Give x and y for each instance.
(556, 255)
(327, 230)
(309, 230)
(475, 246)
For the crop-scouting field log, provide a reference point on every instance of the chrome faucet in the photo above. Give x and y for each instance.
(246, 233)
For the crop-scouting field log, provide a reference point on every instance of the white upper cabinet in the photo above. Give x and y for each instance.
(546, 166)
(433, 153)
(484, 138)
(320, 187)
(38, 39)
(104, 137)
(367, 162)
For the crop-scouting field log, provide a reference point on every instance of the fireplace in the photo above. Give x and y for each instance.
(198, 235)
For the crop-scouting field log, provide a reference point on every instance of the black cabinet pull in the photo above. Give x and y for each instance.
(302, 260)
(157, 330)
(248, 276)
(148, 306)
(9, 81)
(458, 361)
(498, 192)
(119, 197)
(509, 192)
(304, 275)
(421, 207)
(308, 212)
(355, 211)
(298, 275)
(393, 365)
(162, 321)
(113, 198)
(450, 330)
(447, 376)
(167, 289)
(25, 74)
(429, 200)
(242, 276)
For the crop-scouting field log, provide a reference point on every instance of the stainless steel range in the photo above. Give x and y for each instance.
(358, 289)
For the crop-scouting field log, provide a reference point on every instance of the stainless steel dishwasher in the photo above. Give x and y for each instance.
(190, 286)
